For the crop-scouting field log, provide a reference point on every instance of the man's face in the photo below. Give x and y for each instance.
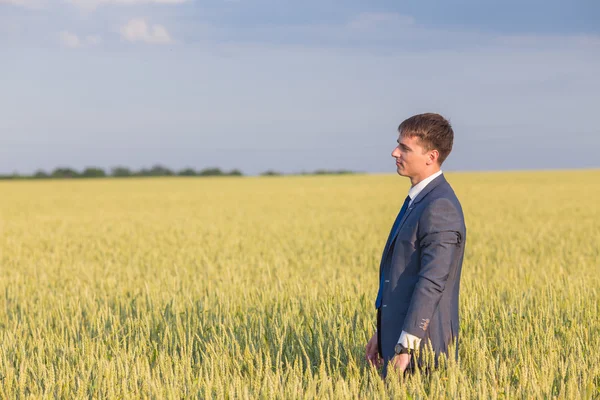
(411, 157)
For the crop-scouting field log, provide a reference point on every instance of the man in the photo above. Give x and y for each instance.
(420, 268)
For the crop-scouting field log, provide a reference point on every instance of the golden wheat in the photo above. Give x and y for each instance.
(264, 287)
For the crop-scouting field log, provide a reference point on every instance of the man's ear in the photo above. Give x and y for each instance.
(433, 156)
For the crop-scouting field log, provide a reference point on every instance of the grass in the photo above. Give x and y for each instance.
(264, 287)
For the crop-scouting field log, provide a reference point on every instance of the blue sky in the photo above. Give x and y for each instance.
(294, 86)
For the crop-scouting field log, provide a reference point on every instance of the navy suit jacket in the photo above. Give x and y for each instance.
(422, 268)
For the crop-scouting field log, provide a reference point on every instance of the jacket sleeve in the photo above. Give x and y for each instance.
(439, 240)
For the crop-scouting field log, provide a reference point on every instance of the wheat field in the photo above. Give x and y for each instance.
(263, 287)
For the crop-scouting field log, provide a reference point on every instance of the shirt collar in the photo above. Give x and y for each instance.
(415, 190)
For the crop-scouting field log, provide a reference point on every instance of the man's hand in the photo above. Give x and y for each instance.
(400, 362)
(372, 354)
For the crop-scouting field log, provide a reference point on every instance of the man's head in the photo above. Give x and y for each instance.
(424, 142)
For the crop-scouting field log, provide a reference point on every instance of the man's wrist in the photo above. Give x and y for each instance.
(401, 349)
(409, 341)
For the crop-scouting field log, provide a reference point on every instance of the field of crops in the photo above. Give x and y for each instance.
(264, 287)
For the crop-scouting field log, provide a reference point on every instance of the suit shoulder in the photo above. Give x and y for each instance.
(442, 211)
(445, 191)
(440, 205)
(442, 195)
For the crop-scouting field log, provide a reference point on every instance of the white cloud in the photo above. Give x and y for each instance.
(72, 40)
(138, 30)
(69, 39)
(24, 3)
(374, 20)
(93, 4)
(93, 40)
(88, 5)
(548, 41)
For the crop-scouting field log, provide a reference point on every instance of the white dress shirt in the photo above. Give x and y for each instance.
(408, 340)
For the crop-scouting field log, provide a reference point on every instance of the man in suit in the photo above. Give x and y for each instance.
(417, 301)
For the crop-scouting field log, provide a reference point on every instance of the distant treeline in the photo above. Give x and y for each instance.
(157, 170)
(316, 172)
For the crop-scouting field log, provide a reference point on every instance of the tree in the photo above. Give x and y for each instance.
(187, 172)
(271, 173)
(93, 172)
(119, 172)
(159, 170)
(211, 172)
(156, 170)
(41, 174)
(65, 173)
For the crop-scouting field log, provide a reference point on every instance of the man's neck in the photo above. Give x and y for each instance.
(416, 179)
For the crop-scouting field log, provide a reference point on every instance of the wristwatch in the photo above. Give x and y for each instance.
(401, 349)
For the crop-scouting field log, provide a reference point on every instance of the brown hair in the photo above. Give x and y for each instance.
(433, 130)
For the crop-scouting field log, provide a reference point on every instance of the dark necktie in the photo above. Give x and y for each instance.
(387, 245)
